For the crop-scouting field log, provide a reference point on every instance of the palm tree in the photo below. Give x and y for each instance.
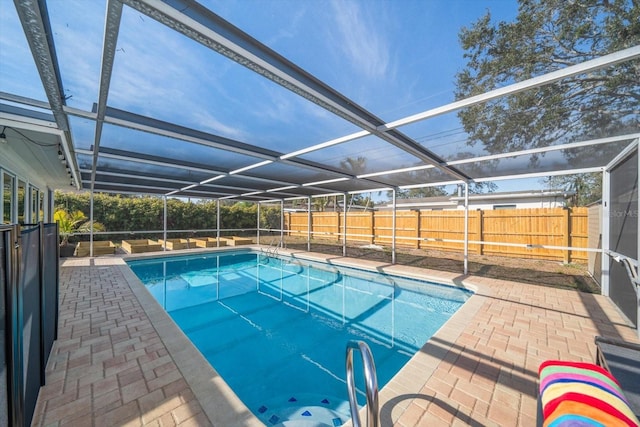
(74, 222)
(355, 166)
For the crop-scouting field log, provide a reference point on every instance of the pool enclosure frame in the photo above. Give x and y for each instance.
(248, 183)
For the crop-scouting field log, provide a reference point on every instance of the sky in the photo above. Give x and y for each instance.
(394, 58)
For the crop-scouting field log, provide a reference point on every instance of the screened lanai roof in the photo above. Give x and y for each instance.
(169, 98)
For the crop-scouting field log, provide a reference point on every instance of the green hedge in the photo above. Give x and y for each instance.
(136, 213)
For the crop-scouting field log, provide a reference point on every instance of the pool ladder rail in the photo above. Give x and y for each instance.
(272, 250)
(370, 380)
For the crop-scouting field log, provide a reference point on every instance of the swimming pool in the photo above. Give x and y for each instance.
(276, 328)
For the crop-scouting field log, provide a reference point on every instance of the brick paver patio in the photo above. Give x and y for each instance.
(120, 361)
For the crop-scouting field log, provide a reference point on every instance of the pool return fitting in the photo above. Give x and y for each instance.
(370, 380)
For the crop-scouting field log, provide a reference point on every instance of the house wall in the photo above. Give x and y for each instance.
(517, 203)
(487, 202)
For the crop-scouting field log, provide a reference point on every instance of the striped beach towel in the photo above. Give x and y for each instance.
(582, 394)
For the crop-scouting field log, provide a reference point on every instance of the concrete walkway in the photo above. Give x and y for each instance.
(120, 361)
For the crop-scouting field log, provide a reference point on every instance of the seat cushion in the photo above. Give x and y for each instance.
(582, 394)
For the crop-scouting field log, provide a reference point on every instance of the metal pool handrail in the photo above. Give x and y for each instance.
(370, 380)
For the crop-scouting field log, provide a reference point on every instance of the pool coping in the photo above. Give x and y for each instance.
(220, 403)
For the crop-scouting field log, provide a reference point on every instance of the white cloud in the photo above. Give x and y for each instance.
(209, 123)
(274, 104)
(162, 74)
(78, 32)
(18, 73)
(289, 31)
(360, 39)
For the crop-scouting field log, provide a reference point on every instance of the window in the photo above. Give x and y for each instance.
(7, 199)
(41, 206)
(22, 202)
(498, 207)
(35, 204)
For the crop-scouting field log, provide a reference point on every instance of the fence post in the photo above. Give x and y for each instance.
(371, 228)
(337, 217)
(376, 224)
(417, 228)
(480, 215)
(566, 225)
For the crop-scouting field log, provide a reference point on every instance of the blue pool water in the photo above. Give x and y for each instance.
(276, 329)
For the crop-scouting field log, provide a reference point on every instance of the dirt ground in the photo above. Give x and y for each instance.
(538, 272)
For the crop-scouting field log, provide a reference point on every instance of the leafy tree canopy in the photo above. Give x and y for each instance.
(587, 188)
(548, 35)
(424, 192)
(118, 213)
(419, 193)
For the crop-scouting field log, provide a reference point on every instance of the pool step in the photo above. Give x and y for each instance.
(303, 411)
(310, 416)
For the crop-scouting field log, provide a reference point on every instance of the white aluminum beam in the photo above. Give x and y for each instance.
(393, 226)
(132, 176)
(606, 231)
(623, 154)
(18, 99)
(37, 29)
(170, 130)
(309, 224)
(151, 162)
(111, 30)
(466, 229)
(582, 68)
(164, 223)
(258, 225)
(540, 174)
(344, 224)
(200, 24)
(538, 150)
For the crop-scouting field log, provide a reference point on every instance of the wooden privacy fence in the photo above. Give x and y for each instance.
(521, 233)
